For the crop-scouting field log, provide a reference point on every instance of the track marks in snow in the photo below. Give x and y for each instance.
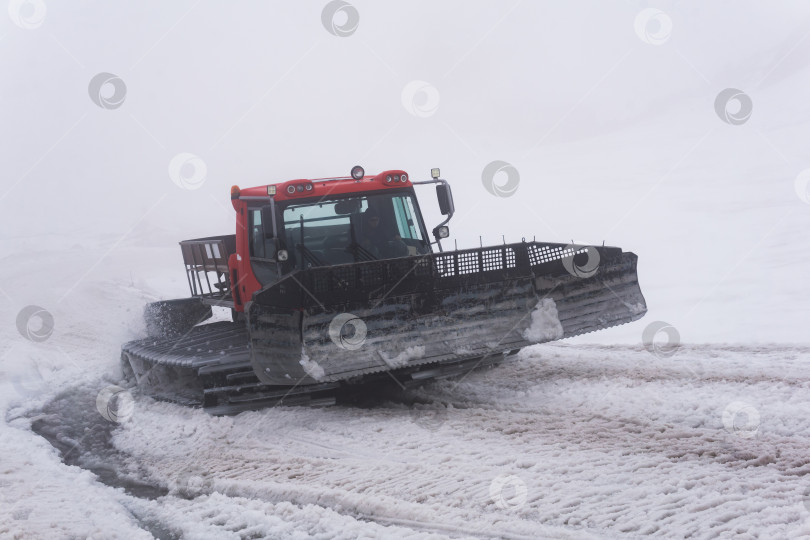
(609, 441)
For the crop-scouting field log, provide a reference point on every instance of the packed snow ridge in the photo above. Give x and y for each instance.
(311, 367)
(545, 322)
(402, 359)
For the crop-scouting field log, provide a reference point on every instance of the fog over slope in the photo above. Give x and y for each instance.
(615, 139)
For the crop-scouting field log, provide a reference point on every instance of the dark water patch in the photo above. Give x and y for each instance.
(72, 424)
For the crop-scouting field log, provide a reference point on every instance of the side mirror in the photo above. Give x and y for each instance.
(347, 206)
(445, 197)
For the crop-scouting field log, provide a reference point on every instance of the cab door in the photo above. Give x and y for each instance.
(263, 244)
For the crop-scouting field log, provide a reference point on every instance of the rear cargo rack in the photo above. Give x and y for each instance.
(206, 261)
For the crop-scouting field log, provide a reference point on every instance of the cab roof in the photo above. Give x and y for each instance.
(322, 187)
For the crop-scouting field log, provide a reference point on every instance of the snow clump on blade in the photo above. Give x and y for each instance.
(545, 322)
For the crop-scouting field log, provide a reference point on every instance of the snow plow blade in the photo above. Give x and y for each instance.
(403, 316)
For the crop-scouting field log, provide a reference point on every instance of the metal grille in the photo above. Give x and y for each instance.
(498, 259)
(366, 276)
(410, 267)
(511, 261)
(539, 254)
(468, 263)
(489, 263)
(340, 278)
(472, 262)
(372, 275)
(445, 265)
(424, 267)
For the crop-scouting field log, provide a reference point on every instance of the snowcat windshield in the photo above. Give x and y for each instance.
(352, 229)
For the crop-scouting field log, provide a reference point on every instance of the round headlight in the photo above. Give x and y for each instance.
(300, 188)
(404, 178)
(290, 189)
(396, 178)
(309, 187)
(388, 178)
(358, 172)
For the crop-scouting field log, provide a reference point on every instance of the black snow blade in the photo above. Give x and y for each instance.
(341, 322)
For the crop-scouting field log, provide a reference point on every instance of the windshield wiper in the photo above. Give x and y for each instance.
(360, 253)
(309, 256)
(305, 251)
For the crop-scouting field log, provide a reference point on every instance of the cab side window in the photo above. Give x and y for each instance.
(261, 247)
(255, 225)
(404, 212)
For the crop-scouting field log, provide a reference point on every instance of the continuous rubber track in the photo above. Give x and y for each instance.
(210, 366)
(200, 367)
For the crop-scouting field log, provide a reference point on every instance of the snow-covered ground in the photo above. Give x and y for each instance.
(615, 139)
(563, 442)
